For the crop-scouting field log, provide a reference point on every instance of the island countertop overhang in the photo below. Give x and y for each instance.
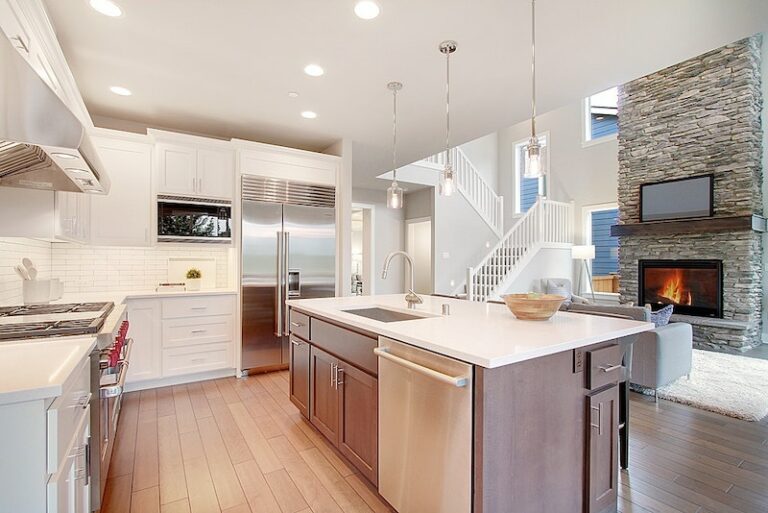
(483, 334)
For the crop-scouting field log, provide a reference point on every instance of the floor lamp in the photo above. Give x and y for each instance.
(585, 253)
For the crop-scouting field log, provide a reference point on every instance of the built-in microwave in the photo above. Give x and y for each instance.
(185, 219)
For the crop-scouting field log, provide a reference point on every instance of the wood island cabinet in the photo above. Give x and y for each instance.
(332, 385)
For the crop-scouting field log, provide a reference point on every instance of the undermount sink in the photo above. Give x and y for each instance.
(384, 314)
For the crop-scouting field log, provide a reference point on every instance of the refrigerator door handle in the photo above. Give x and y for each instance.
(279, 288)
(286, 252)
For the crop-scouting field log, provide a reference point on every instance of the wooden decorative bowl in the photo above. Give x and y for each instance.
(533, 307)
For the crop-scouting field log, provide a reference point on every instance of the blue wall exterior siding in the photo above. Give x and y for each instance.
(606, 247)
(608, 125)
(529, 190)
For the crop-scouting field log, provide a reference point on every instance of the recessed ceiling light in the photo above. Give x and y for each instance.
(63, 155)
(313, 70)
(106, 7)
(293, 94)
(78, 171)
(308, 114)
(122, 91)
(367, 9)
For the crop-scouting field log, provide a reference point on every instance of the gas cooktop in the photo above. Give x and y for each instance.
(36, 321)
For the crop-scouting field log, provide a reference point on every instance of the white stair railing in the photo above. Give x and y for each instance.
(545, 222)
(471, 184)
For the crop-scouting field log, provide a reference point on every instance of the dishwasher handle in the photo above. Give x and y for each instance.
(457, 381)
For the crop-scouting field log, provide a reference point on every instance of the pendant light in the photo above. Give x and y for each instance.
(447, 175)
(533, 164)
(395, 192)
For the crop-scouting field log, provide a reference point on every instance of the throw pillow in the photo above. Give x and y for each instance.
(561, 288)
(661, 317)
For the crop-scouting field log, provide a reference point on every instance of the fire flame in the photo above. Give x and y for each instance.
(674, 291)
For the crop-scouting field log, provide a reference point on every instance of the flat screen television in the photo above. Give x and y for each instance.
(685, 198)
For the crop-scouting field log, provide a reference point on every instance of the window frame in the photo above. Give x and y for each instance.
(519, 163)
(586, 125)
(586, 221)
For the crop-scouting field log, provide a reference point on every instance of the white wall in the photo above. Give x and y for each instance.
(547, 263)
(419, 246)
(584, 174)
(460, 238)
(483, 153)
(389, 235)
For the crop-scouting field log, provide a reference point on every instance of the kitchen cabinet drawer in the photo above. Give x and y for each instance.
(197, 330)
(604, 366)
(353, 347)
(198, 306)
(201, 358)
(65, 414)
(299, 324)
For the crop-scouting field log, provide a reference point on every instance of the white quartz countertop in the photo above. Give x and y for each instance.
(118, 297)
(39, 369)
(480, 333)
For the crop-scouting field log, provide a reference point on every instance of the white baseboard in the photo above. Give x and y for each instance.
(179, 380)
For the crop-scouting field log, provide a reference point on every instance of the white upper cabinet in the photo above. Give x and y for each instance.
(216, 173)
(72, 216)
(123, 217)
(176, 169)
(192, 171)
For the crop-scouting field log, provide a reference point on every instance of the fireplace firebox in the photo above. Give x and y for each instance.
(694, 287)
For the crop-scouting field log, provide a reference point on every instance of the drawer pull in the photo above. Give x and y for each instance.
(198, 308)
(610, 368)
(297, 343)
(197, 360)
(198, 331)
(297, 324)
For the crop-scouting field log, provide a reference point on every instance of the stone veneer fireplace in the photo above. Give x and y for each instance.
(699, 117)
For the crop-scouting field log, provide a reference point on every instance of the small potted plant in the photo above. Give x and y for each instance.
(194, 279)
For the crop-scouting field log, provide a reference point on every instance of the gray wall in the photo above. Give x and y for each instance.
(388, 235)
(418, 204)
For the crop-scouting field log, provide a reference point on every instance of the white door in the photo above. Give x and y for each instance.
(216, 173)
(123, 217)
(146, 331)
(68, 490)
(176, 170)
(419, 246)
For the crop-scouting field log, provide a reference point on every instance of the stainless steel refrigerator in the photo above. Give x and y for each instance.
(289, 252)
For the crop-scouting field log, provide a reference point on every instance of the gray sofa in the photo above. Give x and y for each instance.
(659, 356)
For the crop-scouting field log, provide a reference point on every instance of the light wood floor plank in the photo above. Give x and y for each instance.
(165, 401)
(146, 465)
(202, 494)
(287, 495)
(173, 485)
(125, 439)
(233, 438)
(261, 450)
(368, 494)
(146, 501)
(313, 491)
(148, 401)
(225, 481)
(117, 494)
(257, 491)
(181, 506)
(242, 508)
(199, 401)
(185, 416)
(344, 495)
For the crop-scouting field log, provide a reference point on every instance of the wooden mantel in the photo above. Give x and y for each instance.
(706, 225)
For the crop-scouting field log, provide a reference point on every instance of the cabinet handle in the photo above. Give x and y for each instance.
(198, 331)
(198, 308)
(339, 381)
(333, 375)
(297, 343)
(297, 324)
(197, 360)
(610, 368)
(599, 424)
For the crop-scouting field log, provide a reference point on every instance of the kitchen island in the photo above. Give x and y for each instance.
(475, 411)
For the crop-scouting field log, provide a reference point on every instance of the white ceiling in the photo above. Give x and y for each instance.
(224, 68)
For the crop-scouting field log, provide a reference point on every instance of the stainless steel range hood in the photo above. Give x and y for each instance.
(42, 144)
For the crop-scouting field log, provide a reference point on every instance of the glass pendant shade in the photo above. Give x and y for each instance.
(395, 196)
(533, 162)
(447, 182)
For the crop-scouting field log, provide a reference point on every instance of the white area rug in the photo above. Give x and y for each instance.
(733, 385)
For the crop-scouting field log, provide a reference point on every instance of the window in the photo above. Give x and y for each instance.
(528, 189)
(599, 220)
(601, 119)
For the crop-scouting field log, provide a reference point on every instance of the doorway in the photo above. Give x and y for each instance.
(362, 283)
(418, 244)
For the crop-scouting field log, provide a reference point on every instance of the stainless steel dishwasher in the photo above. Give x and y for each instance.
(425, 430)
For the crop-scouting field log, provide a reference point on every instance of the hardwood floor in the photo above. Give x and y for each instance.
(240, 446)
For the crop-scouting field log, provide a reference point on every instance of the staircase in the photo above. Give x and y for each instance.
(547, 223)
(470, 184)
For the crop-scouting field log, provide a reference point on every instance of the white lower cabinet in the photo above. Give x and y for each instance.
(68, 490)
(180, 336)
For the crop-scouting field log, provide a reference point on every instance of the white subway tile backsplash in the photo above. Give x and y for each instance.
(99, 269)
